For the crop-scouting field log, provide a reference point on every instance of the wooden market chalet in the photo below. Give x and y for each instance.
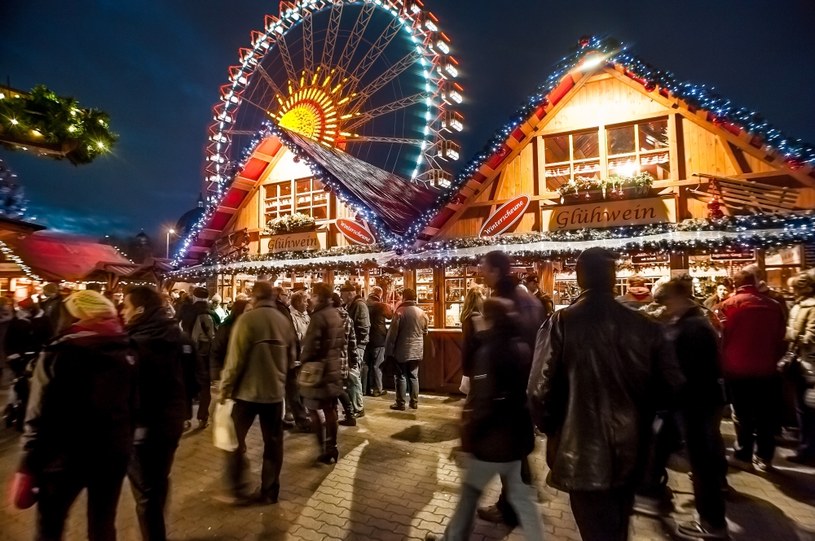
(609, 151)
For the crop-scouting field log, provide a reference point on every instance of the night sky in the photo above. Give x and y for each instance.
(156, 67)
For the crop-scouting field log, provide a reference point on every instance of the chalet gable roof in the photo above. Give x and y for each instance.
(736, 124)
(385, 200)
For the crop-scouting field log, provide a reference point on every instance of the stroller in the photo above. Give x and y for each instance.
(22, 366)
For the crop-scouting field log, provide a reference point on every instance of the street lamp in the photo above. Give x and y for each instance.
(167, 249)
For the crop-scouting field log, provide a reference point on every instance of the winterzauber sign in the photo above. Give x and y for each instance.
(609, 214)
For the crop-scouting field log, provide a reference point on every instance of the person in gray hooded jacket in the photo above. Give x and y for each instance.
(405, 345)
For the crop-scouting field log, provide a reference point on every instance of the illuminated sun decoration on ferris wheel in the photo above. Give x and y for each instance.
(373, 78)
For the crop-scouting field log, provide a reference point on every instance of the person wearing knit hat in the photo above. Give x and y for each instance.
(79, 421)
(88, 305)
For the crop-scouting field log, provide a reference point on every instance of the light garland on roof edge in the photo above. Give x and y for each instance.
(14, 258)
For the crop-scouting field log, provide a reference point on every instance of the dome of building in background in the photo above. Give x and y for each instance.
(188, 220)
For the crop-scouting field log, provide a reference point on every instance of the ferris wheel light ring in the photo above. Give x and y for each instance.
(413, 19)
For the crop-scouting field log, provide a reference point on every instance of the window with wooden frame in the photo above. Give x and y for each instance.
(623, 150)
(305, 195)
(571, 156)
(639, 147)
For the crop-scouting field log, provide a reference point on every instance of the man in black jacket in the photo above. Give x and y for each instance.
(600, 371)
(162, 352)
(358, 312)
(371, 373)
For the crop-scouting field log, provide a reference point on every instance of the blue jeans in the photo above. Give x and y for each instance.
(355, 389)
(407, 375)
(521, 497)
(372, 369)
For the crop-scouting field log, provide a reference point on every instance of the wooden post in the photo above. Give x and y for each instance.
(546, 276)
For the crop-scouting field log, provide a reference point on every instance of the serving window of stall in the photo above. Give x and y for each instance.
(426, 293)
(623, 150)
(305, 195)
(457, 282)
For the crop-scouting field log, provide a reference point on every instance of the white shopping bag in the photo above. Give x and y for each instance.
(465, 385)
(223, 429)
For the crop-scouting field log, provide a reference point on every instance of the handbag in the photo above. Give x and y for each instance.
(311, 375)
(22, 491)
(790, 363)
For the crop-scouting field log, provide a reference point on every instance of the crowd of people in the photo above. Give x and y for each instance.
(133, 369)
(616, 384)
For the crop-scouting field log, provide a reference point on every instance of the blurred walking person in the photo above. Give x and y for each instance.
(696, 346)
(496, 423)
(162, 351)
(753, 331)
(600, 370)
(405, 345)
(87, 373)
(261, 351)
(321, 352)
(496, 268)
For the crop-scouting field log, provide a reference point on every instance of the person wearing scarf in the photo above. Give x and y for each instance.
(80, 421)
(164, 351)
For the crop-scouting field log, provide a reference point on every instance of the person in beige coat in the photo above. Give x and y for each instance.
(261, 351)
(801, 376)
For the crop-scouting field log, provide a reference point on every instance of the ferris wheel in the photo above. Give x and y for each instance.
(373, 78)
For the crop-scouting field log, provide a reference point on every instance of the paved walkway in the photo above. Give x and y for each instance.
(397, 478)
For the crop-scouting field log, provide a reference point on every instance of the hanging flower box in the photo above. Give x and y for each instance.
(615, 187)
(291, 223)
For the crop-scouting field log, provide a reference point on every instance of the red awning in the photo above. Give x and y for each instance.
(70, 258)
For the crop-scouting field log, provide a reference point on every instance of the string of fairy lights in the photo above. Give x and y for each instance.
(695, 236)
(721, 111)
(9, 255)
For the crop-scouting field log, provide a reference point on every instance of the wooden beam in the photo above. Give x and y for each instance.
(728, 151)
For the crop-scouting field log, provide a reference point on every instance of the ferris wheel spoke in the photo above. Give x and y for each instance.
(308, 44)
(387, 76)
(357, 32)
(286, 56)
(269, 81)
(240, 132)
(373, 54)
(391, 107)
(391, 140)
(331, 36)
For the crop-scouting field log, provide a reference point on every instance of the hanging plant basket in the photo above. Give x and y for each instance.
(615, 187)
(291, 223)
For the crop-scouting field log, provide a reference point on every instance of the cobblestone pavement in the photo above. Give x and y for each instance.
(398, 478)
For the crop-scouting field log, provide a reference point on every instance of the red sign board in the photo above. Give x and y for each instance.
(355, 231)
(505, 217)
